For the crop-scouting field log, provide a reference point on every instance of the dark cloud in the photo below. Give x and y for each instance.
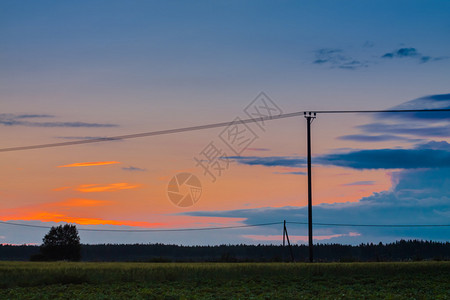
(412, 53)
(402, 52)
(134, 169)
(335, 58)
(338, 58)
(430, 155)
(270, 161)
(17, 120)
(375, 138)
(389, 159)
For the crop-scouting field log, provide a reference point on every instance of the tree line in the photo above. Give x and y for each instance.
(63, 243)
(398, 251)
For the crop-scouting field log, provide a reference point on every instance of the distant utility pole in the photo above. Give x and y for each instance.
(310, 116)
(286, 236)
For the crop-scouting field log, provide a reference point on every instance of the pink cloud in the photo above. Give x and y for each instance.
(297, 238)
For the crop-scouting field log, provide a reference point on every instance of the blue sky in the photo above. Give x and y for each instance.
(89, 69)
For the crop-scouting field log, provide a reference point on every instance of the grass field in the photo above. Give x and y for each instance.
(64, 280)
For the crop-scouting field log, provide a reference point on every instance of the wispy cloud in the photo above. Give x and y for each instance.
(291, 173)
(89, 164)
(22, 120)
(112, 187)
(134, 169)
(336, 58)
(438, 101)
(29, 116)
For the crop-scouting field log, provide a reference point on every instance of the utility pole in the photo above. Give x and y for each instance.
(310, 116)
(286, 235)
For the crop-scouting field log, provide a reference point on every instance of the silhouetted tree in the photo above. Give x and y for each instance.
(62, 243)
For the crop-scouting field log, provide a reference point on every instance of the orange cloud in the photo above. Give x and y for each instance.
(112, 187)
(90, 164)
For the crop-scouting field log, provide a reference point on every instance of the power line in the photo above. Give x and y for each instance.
(379, 111)
(232, 227)
(24, 225)
(209, 126)
(373, 225)
(185, 229)
(150, 230)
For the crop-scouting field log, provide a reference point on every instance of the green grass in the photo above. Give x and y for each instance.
(63, 280)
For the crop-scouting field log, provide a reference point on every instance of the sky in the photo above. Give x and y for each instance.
(94, 69)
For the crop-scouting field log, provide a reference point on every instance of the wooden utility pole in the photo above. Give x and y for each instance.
(285, 234)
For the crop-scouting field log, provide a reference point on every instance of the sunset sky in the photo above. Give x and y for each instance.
(81, 70)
